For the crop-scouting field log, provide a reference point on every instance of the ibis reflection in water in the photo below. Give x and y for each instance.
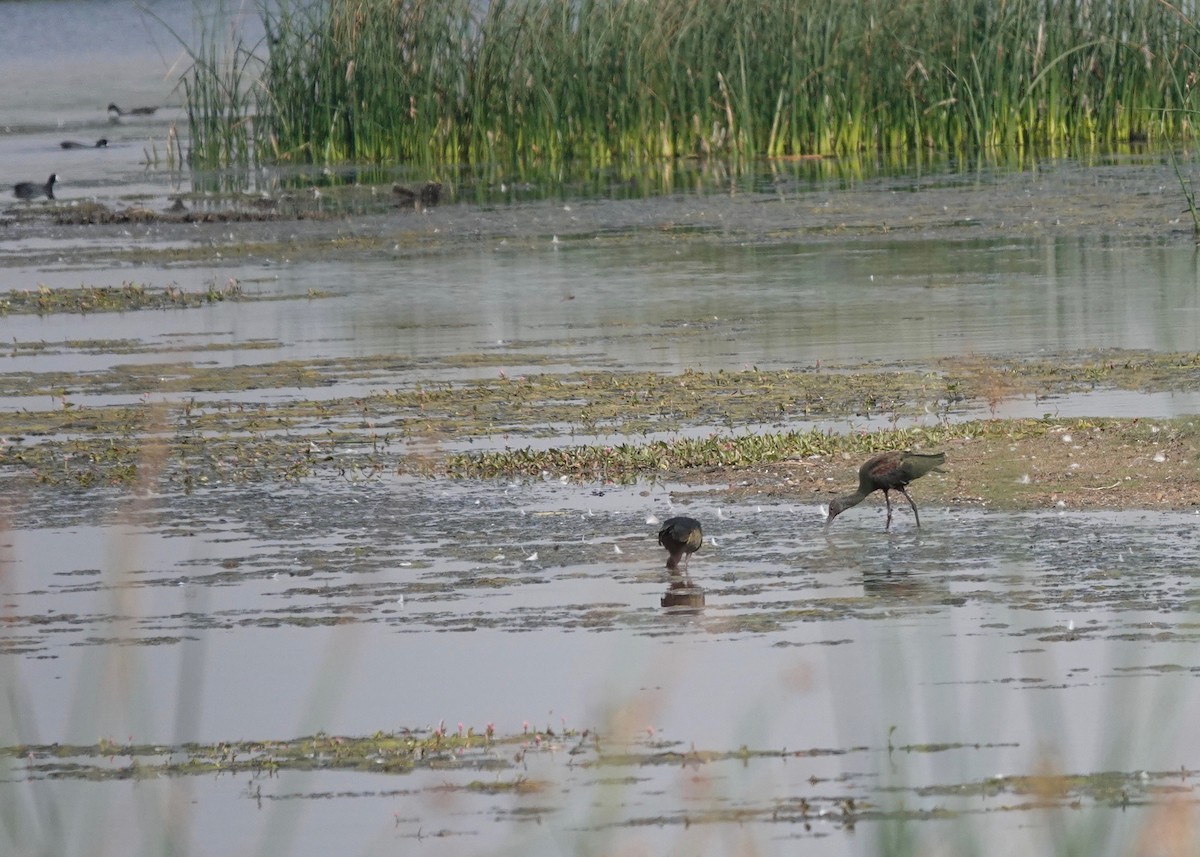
(682, 594)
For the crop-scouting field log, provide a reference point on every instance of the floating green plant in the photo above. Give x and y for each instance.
(471, 752)
(383, 753)
(44, 300)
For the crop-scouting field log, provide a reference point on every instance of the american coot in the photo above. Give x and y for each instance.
(72, 144)
(136, 111)
(32, 190)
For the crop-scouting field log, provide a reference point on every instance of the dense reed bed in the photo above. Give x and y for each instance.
(604, 81)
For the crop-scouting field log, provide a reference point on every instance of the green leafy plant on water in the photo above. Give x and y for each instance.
(603, 81)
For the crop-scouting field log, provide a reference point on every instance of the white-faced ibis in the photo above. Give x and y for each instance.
(32, 190)
(888, 471)
(75, 144)
(681, 537)
(133, 111)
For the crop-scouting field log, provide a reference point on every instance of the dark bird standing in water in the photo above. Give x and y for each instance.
(888, 471)
(431, 193)
(32, 190)
(681, 537)
(135, 111)
(428, 195)
(73, 144)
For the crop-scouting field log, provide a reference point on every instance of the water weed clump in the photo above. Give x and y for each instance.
(555, 82)
(123, 298)
(383, 753)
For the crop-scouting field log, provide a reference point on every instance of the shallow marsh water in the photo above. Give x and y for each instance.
(986, 646)
(917, 687)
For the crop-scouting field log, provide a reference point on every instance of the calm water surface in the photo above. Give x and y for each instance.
(725, 307)
(1025, 640)
(1024, 643)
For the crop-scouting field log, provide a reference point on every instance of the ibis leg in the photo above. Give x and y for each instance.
(888, 500)
(908, 497)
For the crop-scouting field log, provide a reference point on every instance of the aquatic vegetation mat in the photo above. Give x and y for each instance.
(124, 298)
(744, 427)
(549, 765)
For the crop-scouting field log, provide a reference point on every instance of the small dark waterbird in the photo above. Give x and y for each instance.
(74, 144)
(681, 537)
(426, 196)
(888, 471)
(32, 190)
(133, 111)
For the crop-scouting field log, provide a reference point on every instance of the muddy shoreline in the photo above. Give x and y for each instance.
(208, 424)
(1051, 199)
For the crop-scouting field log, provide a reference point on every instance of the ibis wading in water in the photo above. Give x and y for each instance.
(682, 538)
(888, 471)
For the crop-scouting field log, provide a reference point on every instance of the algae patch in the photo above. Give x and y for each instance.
(457, 758)
(738, 429)
(382, 753)
(123, 298)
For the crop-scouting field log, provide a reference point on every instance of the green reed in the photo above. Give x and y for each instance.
(217, 94)
(605, 81)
